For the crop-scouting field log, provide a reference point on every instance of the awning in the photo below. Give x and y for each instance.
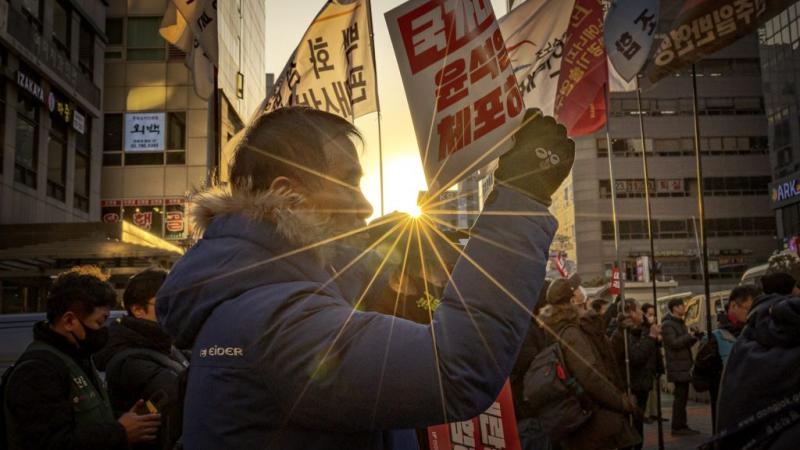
(31, 249)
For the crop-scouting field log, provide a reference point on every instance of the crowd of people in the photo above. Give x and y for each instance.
(298, 345)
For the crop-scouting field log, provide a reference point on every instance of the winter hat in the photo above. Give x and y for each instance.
(560, 291)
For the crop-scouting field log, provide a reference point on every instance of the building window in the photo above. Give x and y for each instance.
(684, 146)
(83, 167)
(62, 26)
(112, 140)
(115, 33)
(57, 160)
(2, 120)
(27, 140)
(685, 229)
(144, 41)
(33, 10)
(86, 50)
(176, 137)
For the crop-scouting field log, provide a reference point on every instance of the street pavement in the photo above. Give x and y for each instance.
(699, 418)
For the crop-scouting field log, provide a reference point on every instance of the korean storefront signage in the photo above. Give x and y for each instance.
(59, 107)
(163, 217)
(144, 132)
(78, 122)
(28, 84)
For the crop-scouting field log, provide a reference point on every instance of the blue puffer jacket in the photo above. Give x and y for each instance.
(281, 360)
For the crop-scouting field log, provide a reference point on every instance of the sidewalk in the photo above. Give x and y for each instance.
(699, 415)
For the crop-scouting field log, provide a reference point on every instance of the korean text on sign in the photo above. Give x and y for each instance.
(457, 74)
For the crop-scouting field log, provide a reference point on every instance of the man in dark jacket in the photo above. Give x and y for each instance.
(590, 359)
(642, 355)
(140, 361)
(282, 360)
(678, 345)
(55, 398)
(714, 350)
(759, 399)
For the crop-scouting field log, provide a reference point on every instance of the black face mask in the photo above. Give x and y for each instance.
(93, 341)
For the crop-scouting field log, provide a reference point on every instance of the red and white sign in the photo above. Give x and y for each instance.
(615, 287)
(143, 219)
(175, 221)
(111, 217)
(495, 429)
(459, 83)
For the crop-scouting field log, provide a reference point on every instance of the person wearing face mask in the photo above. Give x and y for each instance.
(54, 397)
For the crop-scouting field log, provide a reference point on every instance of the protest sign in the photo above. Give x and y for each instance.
(495, 429)
(332, 69)
(463, 96)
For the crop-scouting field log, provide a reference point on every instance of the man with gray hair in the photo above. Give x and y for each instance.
(300, 365)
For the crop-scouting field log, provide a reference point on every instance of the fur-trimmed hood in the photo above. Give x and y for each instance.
(293, 218)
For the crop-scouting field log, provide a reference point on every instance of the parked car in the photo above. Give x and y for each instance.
(16, 333)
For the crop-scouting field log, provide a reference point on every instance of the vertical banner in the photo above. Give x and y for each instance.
(580, 99)
(332, 69)
(191, 25)
(461, 89)
(615, 287)
(495, 429)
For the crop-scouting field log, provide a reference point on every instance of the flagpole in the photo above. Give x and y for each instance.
(652, 251)
(613, 192)
(377, 101)
(701, 210)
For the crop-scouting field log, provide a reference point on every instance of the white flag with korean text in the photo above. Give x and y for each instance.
(332, 68)
(191, 26)
(629, 31)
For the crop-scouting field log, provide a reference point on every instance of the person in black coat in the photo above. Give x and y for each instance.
(678, 343)
(54, 397)
(140, 361)
(530, 430)
(642, 355)
(759, 402)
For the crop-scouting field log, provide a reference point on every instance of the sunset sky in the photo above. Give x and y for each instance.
(403, 178)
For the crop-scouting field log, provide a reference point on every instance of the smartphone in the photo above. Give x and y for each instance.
(154, 404)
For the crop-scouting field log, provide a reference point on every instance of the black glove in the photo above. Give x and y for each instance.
(540, 160)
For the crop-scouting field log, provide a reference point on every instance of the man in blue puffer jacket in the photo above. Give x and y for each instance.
(281, 360)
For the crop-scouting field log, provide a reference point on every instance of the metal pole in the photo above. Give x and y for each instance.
(702, 212)
(377, 101)
(652, 251)
(613, 194)
(627, 363)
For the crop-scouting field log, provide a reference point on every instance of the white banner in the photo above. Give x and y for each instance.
(332, 69)
(78, 122)
(629, 30)
(144, 132)
(191, 25)
(459, 83)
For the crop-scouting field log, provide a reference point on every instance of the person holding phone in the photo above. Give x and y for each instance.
(140, 361)
(54, 397)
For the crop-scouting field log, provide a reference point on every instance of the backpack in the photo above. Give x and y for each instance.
(707, 366)
(553, 395)
(172, 430)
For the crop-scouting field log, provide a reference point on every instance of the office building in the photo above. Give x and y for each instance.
(156, 148)
(733, 126)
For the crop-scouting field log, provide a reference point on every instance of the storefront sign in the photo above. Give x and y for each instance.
(78, 122)
(60, 107)
(32, 87)
(785, 192)
(144, 132)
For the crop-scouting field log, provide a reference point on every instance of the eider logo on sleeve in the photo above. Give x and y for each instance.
(216, 350)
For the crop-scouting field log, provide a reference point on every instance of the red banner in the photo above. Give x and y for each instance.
(580, 99)
(495, 429)
(615, 287)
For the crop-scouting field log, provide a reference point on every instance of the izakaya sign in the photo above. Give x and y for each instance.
(332, 69)
(27, 83)
(459, 83)
(144, 132)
